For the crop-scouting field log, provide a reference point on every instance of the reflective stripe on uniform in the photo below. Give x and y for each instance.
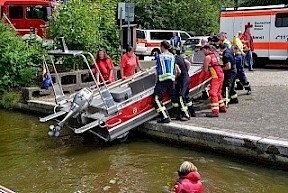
(234, 96)
(183, 107)
(214, 106)
(160, 107)
(175, 104)
(189, 104)
(221, 103)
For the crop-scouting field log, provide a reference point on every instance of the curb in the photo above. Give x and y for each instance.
(258, 149)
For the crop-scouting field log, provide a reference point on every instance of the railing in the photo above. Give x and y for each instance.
(70, 81)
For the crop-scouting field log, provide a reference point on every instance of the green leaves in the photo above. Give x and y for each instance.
(87, 25)
(19, 61)
(200, 16)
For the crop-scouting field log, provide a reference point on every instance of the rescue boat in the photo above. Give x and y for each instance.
(111, 111)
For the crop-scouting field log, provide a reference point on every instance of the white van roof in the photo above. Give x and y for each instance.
(255, 8)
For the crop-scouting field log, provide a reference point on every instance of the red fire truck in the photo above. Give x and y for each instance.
(24, 15)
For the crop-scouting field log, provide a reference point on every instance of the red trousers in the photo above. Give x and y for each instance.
(216, 94)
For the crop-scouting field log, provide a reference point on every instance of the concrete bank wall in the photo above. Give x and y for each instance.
(246, 146)
(256, 149)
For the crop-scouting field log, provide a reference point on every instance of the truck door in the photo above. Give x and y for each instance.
(15, 14)
(37, 16)
(279, 34)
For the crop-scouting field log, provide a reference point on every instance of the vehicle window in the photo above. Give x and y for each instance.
(192, 41)
(281, 20)
(195, 41)
(37, 12)
(1, 11)
(15, 12)
(140, 34)
(161, 35)
(184, 36)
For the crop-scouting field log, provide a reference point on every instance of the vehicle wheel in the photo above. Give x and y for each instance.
(122, 138)
(255, 61)
(155, 52)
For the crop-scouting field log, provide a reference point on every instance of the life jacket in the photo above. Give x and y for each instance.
(189, 183)
(47, 81)
(215, 67)
(166, 66)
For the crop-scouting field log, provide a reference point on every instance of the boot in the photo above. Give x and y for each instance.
(239, 86)
(182, 116)
(223, 109)
(191, 111)
(162, 119)
(248, 88)
(234, 101)
(212, 115)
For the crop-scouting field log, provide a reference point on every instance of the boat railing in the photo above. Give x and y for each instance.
(57, 87)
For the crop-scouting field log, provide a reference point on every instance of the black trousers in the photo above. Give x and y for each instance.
(229, 83)
(163, 86)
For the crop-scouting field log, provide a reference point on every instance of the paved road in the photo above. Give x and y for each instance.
(263, 114)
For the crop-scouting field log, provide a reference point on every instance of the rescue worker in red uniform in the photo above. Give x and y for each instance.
(189, 179)
(212, 63)
(166, 73)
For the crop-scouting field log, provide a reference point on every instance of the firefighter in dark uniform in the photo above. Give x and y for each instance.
(166, 74)
(230, 71)
(186, 108)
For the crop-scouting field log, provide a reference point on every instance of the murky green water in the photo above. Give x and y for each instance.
(30, 161)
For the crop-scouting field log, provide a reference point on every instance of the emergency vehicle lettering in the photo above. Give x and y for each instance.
(147, 44)
(152, 45)
(268, 27)
(251, 13)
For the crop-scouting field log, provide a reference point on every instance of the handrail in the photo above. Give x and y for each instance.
(5, 16)
(120, 82)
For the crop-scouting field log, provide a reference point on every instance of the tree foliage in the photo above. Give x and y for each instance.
(200, 16)
(19, 61)
(87, 25)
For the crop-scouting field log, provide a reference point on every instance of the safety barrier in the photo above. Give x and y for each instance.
(70, 81)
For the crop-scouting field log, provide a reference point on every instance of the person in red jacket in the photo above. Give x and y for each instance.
(105, 66)
(248, 42)
(189, 179)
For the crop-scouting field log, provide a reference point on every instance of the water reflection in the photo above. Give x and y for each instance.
(33, 162)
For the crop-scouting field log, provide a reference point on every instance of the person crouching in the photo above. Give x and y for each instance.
(189, 179)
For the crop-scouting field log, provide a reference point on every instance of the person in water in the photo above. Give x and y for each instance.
(189, 179)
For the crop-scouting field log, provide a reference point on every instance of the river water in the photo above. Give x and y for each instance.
(31, 161)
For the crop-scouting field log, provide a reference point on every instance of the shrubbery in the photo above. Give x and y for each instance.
(193, 15)
(87, 25)
(19, 61)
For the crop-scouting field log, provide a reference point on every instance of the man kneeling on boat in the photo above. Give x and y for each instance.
(166, 72)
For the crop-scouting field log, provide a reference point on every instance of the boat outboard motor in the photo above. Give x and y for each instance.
(80, 102)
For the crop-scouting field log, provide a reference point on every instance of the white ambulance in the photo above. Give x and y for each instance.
(148, 41)
(269, 28)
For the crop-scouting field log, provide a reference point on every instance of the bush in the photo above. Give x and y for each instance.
(194, 15)
(19, 61)
(87, 25)
(10, 99)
